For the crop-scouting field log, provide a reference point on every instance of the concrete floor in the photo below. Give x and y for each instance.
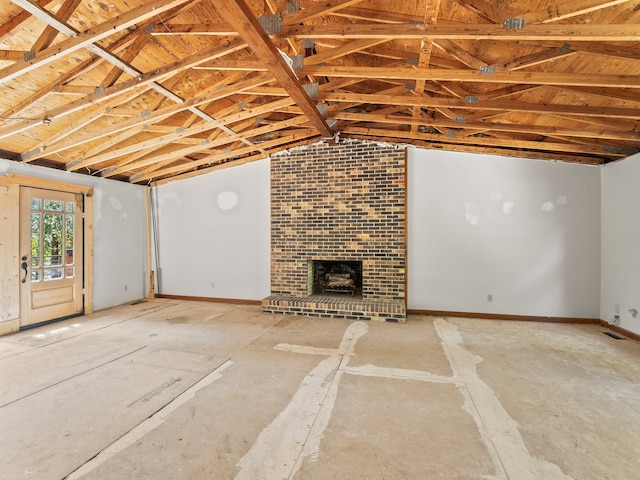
(188, 390)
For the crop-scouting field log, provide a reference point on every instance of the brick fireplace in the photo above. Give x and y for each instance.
(334, 204)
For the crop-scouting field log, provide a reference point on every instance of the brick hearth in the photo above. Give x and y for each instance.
(343, 202)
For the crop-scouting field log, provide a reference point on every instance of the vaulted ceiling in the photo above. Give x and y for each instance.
(149, 91)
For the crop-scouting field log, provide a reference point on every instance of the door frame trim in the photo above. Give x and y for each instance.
(87, 192)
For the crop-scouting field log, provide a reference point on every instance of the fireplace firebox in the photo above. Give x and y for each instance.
(342, 277)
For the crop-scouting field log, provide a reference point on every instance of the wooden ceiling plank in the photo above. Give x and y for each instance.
(113, 141)
(120, 64)
(631, 126)
(505, 152)
(153, 117)
(212, 143)
(545, 32)
(178, 133)
(536, 59)
(548, 146)
(611, 134)
(242, 18)
(160, 114)
(617, 95)
(506, 92)
(381, 16)
(115, 168)
(50, 33)
(55, 85)
(562, 11)
(222, 30)
(239, 65)
(50, 145)
(626, 52)
(344, 49)
(326, 8)
(483, 9)
(234, 163)
(133, 83)
(407, 31)
(222, 156)
(13, 23)
(459, 53)
(404, 56)
(516, 77)
(128, 56)
(189, 164)
(129, 19)
(577, 110)
(266, 91)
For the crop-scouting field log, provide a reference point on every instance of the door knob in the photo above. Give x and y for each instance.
(24, 266)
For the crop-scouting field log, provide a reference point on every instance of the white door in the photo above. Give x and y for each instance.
(50, 255)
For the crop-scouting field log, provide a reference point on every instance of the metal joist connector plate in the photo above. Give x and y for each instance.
(292, 6)
(271, 23)
(323, 109)
(308, 43)
(312, 89)
(487, 70)
(413, 60)
(297, 63)
(461, 119)
(619, 150)
(513, 23)
(471, 99)
(30, 55)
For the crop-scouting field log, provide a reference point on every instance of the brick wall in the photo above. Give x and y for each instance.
(339, 202)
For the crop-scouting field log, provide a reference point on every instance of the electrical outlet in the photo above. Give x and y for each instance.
(213, 284)
(490, 297)
(616, 319)
(126, 287)
(616, 309)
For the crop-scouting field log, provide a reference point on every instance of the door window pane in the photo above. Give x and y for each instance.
(35, 240)
(52, 273)
(69, 240)
(52, 240)
(53, 205)
(69, 207)
(35, 204)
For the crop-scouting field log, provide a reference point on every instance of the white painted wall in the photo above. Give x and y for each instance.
(526, 232)
(120, 233)
(214, 234)
(621, 242)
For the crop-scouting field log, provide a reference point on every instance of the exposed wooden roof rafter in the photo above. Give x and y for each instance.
(150, 90)
(245, 22)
